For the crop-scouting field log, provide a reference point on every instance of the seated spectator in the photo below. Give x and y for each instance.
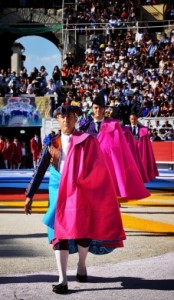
(89, 50)
(155, 110)
(23, 73)
(132, 50)
(51, 88)
(14, 86)
(22, 86)
(157, 125)
(155, 137)
(75, 102)
(109, 48)
(153, 83)
(56, 75)
(164, 109)
(169, 136)
(145, 110)
(64, 73)
(161, 133)
(42, 86)
(167, 126)
(152, 47)
(31, 88)
(159, 89)
(164, 39)
(171, 109)
(43, 72)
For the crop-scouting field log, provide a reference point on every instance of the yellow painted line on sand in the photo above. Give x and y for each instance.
(21, 204)
(151, 201)
(130, 222)
(163, 197)
(147, 203)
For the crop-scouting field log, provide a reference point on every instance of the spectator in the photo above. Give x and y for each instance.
(64, 73)
(154, 110)
(171, 109)
(156, 137)
(148, 71)
(51, 88)
(157, 125)
(56, 76)
(24, 155)
(35, 148)
(31, 87)
(167, 126)
(43, 72)
(169, 136)
(2, 145)
(164, 109)
(17, 154)
(8, 152)
(145, 110)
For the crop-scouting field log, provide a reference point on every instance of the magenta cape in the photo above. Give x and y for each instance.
(122, 166)
(133, 146)
(146, 151)
(87, 205)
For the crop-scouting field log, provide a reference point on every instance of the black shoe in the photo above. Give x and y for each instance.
(60, 288)
(81, 278)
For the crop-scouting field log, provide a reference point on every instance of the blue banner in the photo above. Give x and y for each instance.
(19, 112)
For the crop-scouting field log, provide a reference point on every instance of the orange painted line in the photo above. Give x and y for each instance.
(19, 197)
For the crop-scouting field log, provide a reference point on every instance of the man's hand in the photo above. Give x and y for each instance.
(28, 206)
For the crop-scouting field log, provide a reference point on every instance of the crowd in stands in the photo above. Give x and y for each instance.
(134, 67)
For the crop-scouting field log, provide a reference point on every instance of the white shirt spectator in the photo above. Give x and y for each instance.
(51, 87)
(31, 88)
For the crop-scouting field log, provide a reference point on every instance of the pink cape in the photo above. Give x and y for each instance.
(146, 151)
(87, 205)
(133, 146)
(122, 166)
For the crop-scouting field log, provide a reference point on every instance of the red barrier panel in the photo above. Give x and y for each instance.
(163, 151)
(172, 151)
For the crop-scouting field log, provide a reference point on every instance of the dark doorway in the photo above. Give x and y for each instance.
(23, 134)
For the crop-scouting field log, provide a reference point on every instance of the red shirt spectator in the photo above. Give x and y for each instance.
(36, 147)
(17, 154)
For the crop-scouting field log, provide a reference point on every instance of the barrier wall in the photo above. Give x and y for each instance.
(163, 151)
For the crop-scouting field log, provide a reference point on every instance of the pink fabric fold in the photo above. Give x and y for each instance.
(123, 168)
(87, 203)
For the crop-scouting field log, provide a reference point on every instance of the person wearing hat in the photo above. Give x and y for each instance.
(120, 160)
(92, 123)
(81, 216)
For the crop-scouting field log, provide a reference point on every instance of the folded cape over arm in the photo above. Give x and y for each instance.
(123, 168)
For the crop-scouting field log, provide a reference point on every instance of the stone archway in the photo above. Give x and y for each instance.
(17, 23)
